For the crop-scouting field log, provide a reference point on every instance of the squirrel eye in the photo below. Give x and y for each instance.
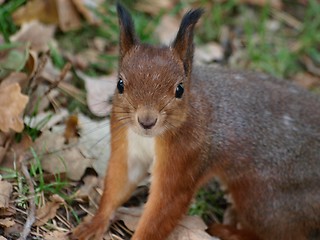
(179, 90)
(120, 86)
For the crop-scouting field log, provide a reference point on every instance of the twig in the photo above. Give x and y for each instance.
(288, 19)
(61, 77)
(312, 68)
(32, 206)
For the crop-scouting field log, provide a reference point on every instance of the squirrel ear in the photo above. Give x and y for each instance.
(183, 43)
(127, 32)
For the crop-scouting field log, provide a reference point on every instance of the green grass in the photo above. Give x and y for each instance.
(208, 202)
(42, 188)
(7, 27)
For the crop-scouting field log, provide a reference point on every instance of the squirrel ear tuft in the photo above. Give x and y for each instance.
(183, 43)
(127, 32)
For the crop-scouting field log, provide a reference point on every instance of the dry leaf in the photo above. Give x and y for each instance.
(42, 10)
(8, 212)
(12, 106)
(99, 91)
(54, 235)
(189, 228)
(7, 222)
(14, 230)
(130, 216)
(167, 29)
(15, 77)
(5, 142)
(49, 117)
(208, 53)
(307, 80)
(69, 18)
(5, 190)
(48, 212)
(85, 8)
(17, 149)
(95, 141)
(87, 189)
(84, 58)
(59, 157)
(38, 34)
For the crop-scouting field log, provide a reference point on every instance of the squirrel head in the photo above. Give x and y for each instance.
(153, 82)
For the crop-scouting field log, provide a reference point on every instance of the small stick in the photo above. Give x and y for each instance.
(62, 75)
(32, 206)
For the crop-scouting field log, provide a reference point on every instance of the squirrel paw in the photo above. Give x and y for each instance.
(93, 229)
(226, 232)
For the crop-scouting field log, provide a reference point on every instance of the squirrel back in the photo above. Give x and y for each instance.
(264, 139)
(258, 135)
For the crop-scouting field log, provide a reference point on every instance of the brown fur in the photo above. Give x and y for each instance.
(258, 135)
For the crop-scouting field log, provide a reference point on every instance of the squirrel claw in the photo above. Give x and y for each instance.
(94, 230)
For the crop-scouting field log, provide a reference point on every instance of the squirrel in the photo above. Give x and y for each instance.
(258, 135)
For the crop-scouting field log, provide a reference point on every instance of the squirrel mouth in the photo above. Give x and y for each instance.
(147, 122)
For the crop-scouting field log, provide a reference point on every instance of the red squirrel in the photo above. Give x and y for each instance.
(259, 136)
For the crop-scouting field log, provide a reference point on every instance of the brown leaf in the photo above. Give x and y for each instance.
(167, 29)
(208, 53)
(5, 190)
(130, 216)
(5, 141)
(7, 222)
(47, 212)
(42, 10)
(59, 157)
(307, 80)
(54, 235)
(18, 148)
(8, 212)
(36, 33)
(13, 230)
(95, 141)
(82, 7)
(69, 18)
(12, 105)
(189, 228)
(15, 77)
(99, 92)
(87, 189)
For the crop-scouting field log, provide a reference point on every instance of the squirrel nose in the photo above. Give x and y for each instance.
(147, 122)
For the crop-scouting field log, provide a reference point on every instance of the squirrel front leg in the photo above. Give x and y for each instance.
(118, 188)
(170, 195)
